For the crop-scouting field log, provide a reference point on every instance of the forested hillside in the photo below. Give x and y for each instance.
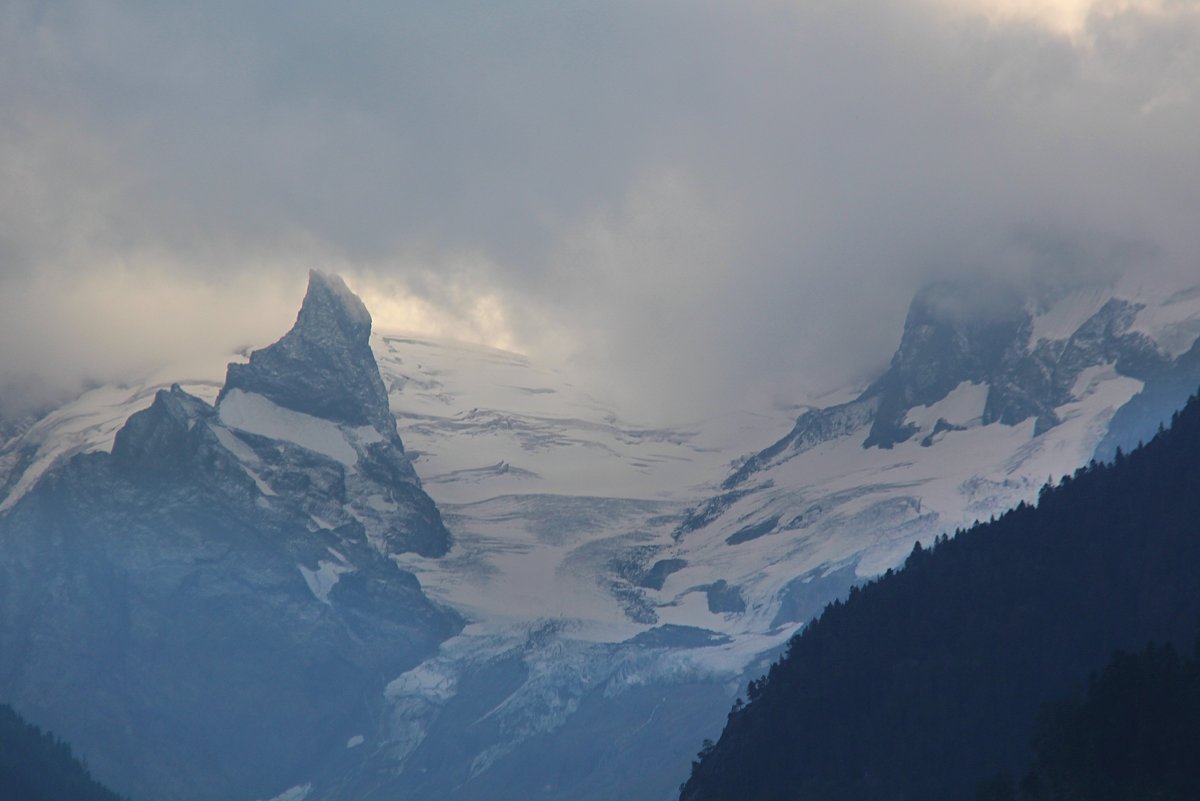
(36, 766)
(929, 680)
(1135, 735)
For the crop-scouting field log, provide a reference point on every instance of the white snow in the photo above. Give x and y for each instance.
(254, 414)
(379, 503)
(464, 410)
(244, 454)
(87, 424)
(1064, 317)
(528, 546)
(433, 679)
(963, 406)
(322, 580)
(548, 491)
(1173, 324)
(297, 793)
(232, 443)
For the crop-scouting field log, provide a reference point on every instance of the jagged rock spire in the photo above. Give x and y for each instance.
(324, 365)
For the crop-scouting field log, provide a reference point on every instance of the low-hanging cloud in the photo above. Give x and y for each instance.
(701, 204)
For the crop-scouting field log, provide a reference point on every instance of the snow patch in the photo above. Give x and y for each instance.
(380, 503)
(322, 580)
(434, 680)
(232, 443)
(255, 414)
(245, 455)
(1063, 319)
(1174, 325)
(87, 424)
(297, 793)
(963, 406)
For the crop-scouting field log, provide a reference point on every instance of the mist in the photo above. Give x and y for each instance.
(697, 206)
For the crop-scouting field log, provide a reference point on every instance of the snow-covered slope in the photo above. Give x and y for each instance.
(203, 598)
(619, 583)
(484, 423)
(985, 401)
(572, 544)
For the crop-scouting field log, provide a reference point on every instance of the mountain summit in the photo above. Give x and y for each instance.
(609, 586)
(226, 572)
(324, 366)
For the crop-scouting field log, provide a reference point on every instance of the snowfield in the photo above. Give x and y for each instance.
(594, 558)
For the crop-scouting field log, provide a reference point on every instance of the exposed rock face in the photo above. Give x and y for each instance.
(245, 553)
(210, 611)
(1033, 383)
(323, 366)
(812, 428)
(319, 387)
(952, 336)
(986, 336)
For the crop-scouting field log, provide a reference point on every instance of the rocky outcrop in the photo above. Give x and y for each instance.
(812, 428)
(319, 388)
(323, 366)
(210, 611)
(952, 334)
(1033, 383)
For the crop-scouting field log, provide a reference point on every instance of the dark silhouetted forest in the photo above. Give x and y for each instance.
(930, 679)
(36, 766)
(1134, 736)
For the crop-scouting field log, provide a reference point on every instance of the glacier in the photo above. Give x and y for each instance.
(604, 589)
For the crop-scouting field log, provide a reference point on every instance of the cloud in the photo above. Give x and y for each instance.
(700, 204)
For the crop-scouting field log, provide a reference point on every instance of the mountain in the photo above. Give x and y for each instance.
(604, 597)
(209, 609)
(929, 680)
(989, 394)
(607, 588)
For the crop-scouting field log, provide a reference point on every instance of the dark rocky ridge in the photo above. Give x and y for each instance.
(983, 335)
(1033, 384)
(202, 612)
(323, 366)
(952, 334)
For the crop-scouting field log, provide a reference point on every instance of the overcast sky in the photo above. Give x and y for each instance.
(700, 205)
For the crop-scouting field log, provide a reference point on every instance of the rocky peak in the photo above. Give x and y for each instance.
(162, 438)
(984, 335)
(324, 365)
(953, 333)
(1035, 383)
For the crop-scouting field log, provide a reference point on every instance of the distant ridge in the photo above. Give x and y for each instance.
(928, 680)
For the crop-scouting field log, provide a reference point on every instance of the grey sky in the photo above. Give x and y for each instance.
(699, 203)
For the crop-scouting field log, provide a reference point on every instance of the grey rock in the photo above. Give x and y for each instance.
(952, 334)
(1165, 392)
(207, 613)
(1033, 384)
(723, 597)
(155, 612)
(323, 366)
